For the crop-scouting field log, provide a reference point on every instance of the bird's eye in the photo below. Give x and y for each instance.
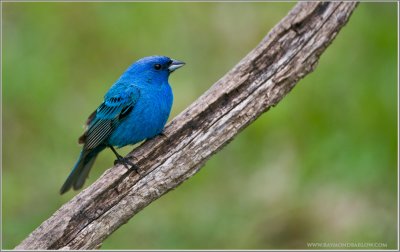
(157, 66)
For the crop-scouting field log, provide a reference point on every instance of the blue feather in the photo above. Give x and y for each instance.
(135, 108)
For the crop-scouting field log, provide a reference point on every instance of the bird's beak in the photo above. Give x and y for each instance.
(175, 65)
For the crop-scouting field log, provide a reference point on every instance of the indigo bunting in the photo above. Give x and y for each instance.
(135, 108)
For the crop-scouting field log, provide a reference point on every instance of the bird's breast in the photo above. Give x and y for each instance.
(146, 120)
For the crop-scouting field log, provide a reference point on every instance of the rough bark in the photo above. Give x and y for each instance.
(258, 82)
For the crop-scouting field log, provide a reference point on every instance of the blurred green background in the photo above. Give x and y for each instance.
(319, 167)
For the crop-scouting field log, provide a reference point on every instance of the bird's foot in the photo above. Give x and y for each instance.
(162, 134)
(126, 163)
(159, 134)
(166, 138)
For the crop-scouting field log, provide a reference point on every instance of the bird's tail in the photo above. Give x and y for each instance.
(79, 173)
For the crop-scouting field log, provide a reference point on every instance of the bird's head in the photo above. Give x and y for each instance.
(152, 70)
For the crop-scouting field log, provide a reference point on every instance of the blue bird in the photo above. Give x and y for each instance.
(135, 108)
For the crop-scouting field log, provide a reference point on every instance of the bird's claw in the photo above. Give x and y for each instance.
(126, 163)
(165, 137)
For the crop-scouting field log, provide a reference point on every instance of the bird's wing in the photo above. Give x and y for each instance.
(106, 117)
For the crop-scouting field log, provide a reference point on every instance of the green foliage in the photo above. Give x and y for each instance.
(319, 167)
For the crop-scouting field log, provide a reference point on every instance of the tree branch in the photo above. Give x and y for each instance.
(258, 82)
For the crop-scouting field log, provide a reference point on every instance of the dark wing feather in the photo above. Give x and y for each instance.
(82, 138)
(99, 132)
(108, 115)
